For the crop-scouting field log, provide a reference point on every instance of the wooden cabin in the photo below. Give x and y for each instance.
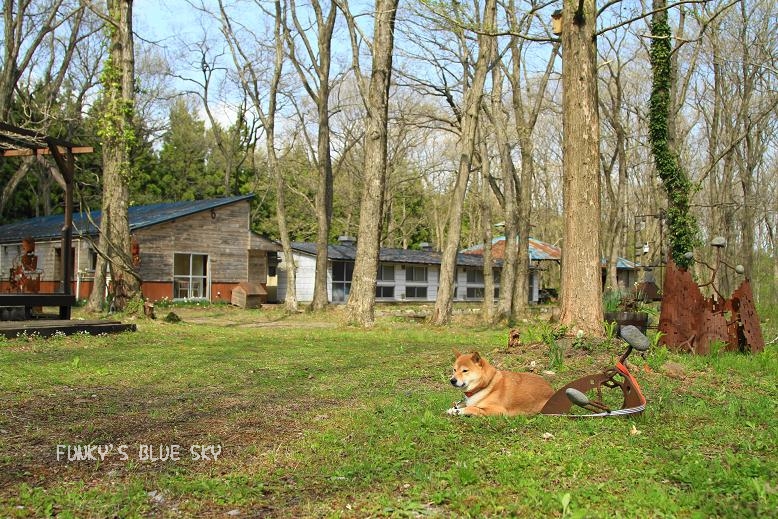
(190, 250)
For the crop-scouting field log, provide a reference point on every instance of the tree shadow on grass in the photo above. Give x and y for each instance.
(243, 425)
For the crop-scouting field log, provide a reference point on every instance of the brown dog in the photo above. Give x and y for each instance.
(489, 391)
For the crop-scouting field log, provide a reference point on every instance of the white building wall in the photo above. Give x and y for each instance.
(306, 270)
(434, 280)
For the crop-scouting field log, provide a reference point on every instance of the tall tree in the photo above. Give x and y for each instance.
(581, 285)
(251, 79)
(612, 105)
(507, 195)
(681, 223)
(318, 54)
(361, 301)
(526, 112)
(182, 171)
(117, 134)
(31, 32)
(466, 146)
(269, 122)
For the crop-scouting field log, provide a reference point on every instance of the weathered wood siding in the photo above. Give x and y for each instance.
(257, 268)
(225, 239)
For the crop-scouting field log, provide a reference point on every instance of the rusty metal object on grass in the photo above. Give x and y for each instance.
(560, 403)
(691, 322)
(587, 392)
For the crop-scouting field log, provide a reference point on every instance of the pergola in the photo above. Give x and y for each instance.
(20, 142)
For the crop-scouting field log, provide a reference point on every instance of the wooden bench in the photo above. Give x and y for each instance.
(29, 301)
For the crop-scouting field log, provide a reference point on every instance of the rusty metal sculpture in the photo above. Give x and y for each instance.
(25, 276)
(587, 392)
(691, 322)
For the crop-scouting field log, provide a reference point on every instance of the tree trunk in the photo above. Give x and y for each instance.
(324, 163)
(487, 308)
(323, 203)
(681, 224)
(117, 134)
(361, 302)
(581, 298)
(472, 103)
(290, 300)
(521, 285)
(509, 199)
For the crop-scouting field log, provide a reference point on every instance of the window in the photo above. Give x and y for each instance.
(416, 274)
(385, 282)
(384, 292)
(92, 260)
(475, 276)
(416, 292)
(190, 276)
(385, 273)
(475, 292)
(342, 272)
(474, 288)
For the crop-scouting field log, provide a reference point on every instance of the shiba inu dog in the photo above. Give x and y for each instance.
(489, 391)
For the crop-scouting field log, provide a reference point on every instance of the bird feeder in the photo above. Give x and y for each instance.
(556, 22)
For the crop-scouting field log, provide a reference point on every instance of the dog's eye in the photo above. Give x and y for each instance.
(465, 371)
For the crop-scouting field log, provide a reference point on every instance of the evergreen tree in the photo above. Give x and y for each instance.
(182, 160)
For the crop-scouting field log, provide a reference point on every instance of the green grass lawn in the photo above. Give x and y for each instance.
(311, 418)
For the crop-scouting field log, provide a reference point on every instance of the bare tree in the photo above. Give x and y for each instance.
(507, 196)
(46, 45)
(264, 96)
(612, 106)
(525, 113)
(315, 78)
(361, 301)
(470, 112)
(29, 30)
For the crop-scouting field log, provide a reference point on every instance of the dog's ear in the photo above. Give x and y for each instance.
(475, 357)
(457, 353)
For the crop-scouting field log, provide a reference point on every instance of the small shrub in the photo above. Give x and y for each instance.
(611, 301)
(172, 317)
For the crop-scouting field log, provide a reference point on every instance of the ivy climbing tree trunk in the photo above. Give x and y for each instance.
(117, 135)
(681, 224)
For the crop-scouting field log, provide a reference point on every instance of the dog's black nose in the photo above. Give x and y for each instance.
(453, 382)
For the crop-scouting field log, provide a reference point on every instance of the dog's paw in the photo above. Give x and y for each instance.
(454, 411)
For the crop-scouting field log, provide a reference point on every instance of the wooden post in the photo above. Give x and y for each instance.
(65, 163)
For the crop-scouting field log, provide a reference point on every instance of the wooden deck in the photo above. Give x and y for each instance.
(28, 301)
(48, 327)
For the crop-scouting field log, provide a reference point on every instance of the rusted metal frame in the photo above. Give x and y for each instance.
(634, 402)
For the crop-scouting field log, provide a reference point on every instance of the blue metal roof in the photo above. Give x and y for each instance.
(141, 216)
